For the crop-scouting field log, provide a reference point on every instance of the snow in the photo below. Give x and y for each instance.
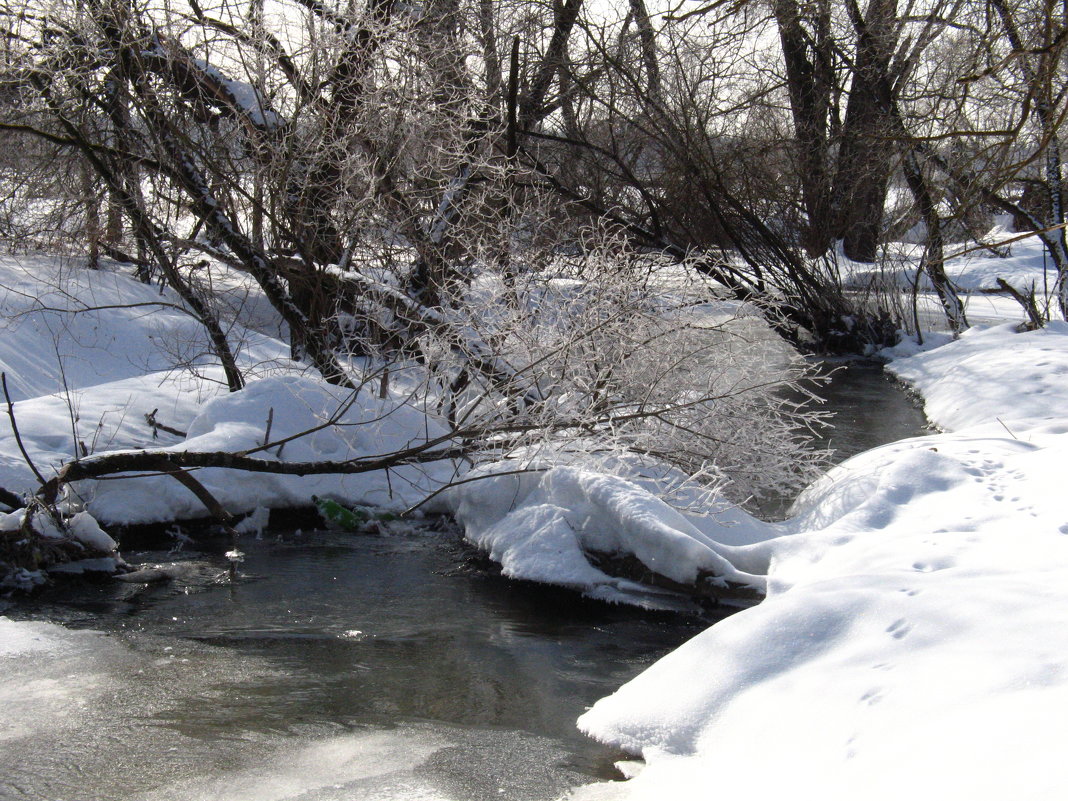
(540, 525)
(981, 379)
(88, 354)
(88, 532)
(256, 522)
(243, 95)
(20, 639)
(912, 641)
(339, 427)
(1018, 258)
(70, 327)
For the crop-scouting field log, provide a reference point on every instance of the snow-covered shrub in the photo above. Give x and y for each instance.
(610, 352)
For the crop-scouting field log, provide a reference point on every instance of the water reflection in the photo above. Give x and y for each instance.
(330, 631)
(868, 409)
(865, 408)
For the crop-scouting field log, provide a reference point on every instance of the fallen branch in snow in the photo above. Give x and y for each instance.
(178, 464)
(708, 589)
(185, 479)
(150, 418)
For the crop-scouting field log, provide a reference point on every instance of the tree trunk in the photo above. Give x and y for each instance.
(933, 262)
(531, 106)
(647, 39)
(92, 215)
(864, 160)
(809, 79)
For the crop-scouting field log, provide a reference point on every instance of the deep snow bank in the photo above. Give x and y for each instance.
(544, 525)
(913, 640)
(88, 354)
(993, 374)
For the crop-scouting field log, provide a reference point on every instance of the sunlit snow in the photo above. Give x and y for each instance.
(912, 643)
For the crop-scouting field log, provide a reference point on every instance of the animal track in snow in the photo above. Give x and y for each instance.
(899, 628)
(872, 696)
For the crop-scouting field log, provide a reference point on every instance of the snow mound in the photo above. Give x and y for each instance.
(89, 353)
(72, 328)
(309, 420)
(912, 639)
(546, 525)
(992, 374)
(88, 532)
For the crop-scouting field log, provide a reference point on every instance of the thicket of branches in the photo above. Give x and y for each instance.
(747, 139)
(372, 167)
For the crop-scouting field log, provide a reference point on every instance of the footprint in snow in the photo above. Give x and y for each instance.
(872, 696)
(899, 628)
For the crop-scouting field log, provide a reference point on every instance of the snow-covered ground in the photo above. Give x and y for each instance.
(913, 640)
(88, 355)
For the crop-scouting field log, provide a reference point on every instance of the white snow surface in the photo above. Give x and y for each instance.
(1017, 258)
(913, 642)
(87, 354)
(338, 429)
(85, 529)
(540, 526)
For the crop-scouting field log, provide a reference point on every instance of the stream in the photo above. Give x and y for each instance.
(340, 666)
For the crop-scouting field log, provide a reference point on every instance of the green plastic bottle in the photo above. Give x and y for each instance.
(349, 519)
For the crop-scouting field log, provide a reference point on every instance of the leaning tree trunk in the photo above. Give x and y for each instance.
(933, 262)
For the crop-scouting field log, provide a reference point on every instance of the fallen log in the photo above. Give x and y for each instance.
(707, 589)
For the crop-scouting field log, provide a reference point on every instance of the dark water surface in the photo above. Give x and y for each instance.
(865, 408)
(469, 682)
(868, 408)
(345, 666)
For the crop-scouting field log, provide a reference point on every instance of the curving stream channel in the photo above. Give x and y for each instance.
(339, 667)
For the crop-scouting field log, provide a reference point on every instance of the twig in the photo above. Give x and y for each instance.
(1007, 429)
(1009, 241)
(481, 477)
(270, 422)
(15, 431)
(150, 418)
(70, 401)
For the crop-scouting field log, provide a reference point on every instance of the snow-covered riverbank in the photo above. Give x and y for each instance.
(914, 641)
